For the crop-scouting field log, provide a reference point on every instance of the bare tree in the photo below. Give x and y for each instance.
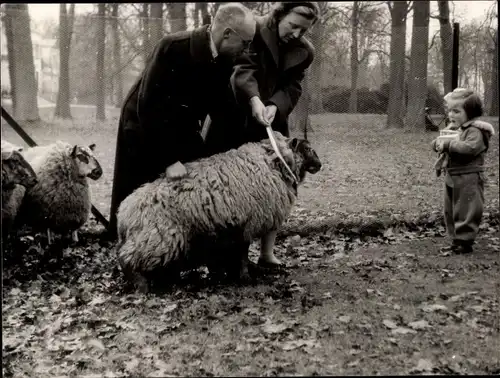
(156, 25)
(177, 16)
(201, 9)
(117, 56)
(23, 80)
(493, 111)
(205, 16)
(66, 21)
(417, 82)
(100, 77)
(144, 16)
(314, 77)
(353, 98)
(396, 106)
(446, 42)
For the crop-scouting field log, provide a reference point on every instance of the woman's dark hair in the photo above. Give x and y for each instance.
(281, 9)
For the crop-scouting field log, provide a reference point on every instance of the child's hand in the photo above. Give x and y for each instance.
(439, 146)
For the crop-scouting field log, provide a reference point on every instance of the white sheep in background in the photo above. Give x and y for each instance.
(7, 146)
(241, 194)
(17, 175)
(60, 201)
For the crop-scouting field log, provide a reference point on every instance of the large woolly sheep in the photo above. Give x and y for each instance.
(246, 193)
(17, 175)
(60, 201)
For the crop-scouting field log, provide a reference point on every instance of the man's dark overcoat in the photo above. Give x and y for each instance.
(162, 115)
(272, 71)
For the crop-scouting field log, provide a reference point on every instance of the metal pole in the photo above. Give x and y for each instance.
(454, 59)
(30, 142)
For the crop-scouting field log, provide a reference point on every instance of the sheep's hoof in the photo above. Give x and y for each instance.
(74, 236)
(142, 285)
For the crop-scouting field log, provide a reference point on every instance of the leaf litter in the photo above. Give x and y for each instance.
(372, 293)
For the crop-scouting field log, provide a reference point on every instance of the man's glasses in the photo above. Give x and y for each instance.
(246, 42)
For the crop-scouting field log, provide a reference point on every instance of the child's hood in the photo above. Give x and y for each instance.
(485, 127)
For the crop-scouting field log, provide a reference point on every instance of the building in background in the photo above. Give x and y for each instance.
(46, 60)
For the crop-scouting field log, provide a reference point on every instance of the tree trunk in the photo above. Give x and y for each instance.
(314, 77)
(353, 98)
(100, 77)
(23, 80)
(396, 106)
(196, 14)
(201, 9)
(177, 16)
(299, 117)
(446, 43)
(417, 82)
(63, 109)
(146, 47)
(118, 86)
(205, 16)
(156, 23)
(493, 110)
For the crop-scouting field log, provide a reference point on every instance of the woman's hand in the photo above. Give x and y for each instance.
(270, 113)
(259, 111)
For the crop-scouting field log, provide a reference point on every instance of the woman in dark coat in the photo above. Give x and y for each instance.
(267, 81)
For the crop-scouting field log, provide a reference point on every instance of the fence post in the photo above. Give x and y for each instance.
(454, 59)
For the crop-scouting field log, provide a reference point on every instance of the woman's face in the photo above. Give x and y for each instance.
(292, 27)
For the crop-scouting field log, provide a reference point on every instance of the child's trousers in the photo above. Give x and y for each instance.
(463, 206)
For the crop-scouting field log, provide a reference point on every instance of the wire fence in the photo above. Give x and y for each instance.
(344, 96)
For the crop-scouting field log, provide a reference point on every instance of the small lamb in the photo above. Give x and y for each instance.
(60, 201)
(171, 225)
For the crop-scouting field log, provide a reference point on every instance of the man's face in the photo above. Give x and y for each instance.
(236, 42)
(292, 27)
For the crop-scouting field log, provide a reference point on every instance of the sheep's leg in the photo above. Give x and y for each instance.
(49, 236)
(74, 236)
(237, 267)
(266, 249)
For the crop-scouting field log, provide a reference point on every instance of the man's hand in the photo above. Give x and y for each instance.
(270, 113)
(176, 171)
(258, 110)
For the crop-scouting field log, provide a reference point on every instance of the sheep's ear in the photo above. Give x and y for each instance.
(92, 146)
(294, 143)
(73, 151)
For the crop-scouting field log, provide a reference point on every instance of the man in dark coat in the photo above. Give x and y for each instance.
(267, 83)
(161, 118)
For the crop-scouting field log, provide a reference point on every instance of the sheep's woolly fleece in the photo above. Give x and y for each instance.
(61, 198)
(240, 194)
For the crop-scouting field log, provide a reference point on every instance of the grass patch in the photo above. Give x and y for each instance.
(368, 170)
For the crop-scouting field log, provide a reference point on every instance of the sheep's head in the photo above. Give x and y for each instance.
(305, 158)
(16, 170)
(87, 163)
(7, 147)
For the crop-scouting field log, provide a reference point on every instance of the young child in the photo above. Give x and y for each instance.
(464, 177)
